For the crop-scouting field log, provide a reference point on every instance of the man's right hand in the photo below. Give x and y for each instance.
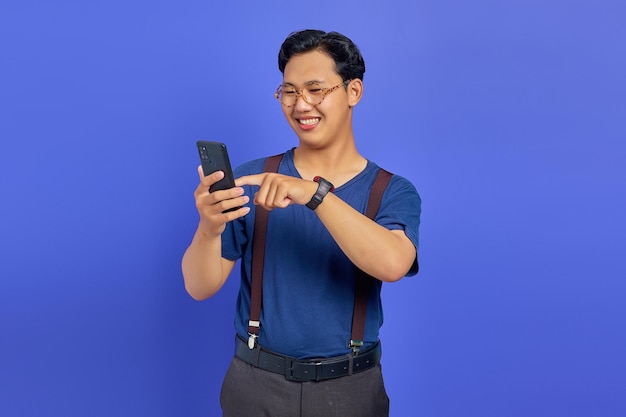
(211, 206)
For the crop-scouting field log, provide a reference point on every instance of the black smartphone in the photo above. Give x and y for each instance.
(214, 157)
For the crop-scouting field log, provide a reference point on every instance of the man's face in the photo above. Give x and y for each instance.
(325, 123)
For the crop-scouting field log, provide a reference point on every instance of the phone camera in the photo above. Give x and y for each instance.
(203, 153)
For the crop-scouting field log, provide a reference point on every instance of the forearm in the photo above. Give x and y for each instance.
(384, 254)
(204, 269)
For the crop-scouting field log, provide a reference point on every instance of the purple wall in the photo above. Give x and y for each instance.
(507, 116)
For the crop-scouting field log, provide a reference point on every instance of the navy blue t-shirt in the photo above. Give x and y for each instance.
(308, 282)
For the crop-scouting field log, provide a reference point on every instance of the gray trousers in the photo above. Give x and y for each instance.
(251, 392)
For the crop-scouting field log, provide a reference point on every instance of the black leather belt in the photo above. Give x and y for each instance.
(308, 369)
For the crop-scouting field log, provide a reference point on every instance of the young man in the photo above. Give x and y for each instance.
(300, 358)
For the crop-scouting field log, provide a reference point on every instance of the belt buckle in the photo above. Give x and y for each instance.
(318, 370)
(309, 371)
(289, 369)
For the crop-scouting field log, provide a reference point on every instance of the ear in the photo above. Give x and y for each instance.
(355, 92)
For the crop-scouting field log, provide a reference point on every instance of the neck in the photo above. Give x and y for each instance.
(338, 163)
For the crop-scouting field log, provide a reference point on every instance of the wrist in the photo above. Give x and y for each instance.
(323, 188)
(207, 233)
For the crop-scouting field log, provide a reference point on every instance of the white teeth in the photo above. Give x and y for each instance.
(309, 122)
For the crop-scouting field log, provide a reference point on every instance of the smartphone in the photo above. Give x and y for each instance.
(214, 157)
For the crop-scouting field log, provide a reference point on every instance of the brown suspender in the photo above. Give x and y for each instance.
(363, 282)
(258, 257)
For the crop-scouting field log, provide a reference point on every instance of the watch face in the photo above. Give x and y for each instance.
(325, 184)
(324, 187)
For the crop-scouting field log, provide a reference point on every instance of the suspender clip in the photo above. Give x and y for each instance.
(355, 345)
(253, 332)
(252, 341)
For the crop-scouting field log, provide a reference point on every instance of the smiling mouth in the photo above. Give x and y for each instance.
(309, 122)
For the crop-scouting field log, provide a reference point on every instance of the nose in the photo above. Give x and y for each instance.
(301, 104)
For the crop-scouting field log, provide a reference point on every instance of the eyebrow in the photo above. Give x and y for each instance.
(306, 83)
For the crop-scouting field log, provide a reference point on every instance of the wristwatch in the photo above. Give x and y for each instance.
(323, 188)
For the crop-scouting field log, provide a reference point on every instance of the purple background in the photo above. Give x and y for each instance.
(509, 117)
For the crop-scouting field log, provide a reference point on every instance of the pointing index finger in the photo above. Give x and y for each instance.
(256, 179)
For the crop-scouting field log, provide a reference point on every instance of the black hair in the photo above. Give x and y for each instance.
(349, 63)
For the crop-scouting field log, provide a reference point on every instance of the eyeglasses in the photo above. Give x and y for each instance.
(311, 94)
